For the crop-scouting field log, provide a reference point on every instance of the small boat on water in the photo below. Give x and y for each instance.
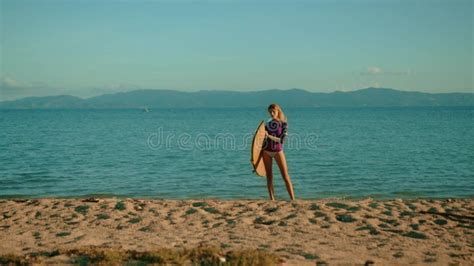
(146, 110)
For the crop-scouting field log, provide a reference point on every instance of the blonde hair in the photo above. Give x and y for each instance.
(276, 107)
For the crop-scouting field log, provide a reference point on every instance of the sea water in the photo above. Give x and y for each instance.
(205, 153)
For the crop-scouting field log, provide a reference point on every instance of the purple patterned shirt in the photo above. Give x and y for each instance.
(277, 129)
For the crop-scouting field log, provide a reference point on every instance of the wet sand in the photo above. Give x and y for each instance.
(303, 232)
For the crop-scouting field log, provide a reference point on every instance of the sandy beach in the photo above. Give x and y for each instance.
(303, 232)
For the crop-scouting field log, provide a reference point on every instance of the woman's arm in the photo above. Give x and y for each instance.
(276, 139)
(284, 132)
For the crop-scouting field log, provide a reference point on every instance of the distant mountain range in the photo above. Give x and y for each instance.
(369, 97)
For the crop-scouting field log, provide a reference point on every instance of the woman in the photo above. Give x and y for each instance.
(276, 131)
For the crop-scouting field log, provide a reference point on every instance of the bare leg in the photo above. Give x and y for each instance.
(267, 161)
(281, 161)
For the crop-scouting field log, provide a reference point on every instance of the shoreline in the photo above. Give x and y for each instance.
(349, 198)
(301, 232)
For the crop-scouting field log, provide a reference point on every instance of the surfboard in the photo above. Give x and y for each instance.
(256, 151)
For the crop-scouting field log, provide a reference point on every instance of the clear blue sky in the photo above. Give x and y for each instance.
(90, 47)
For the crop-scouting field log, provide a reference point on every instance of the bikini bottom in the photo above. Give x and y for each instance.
(271, 153)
